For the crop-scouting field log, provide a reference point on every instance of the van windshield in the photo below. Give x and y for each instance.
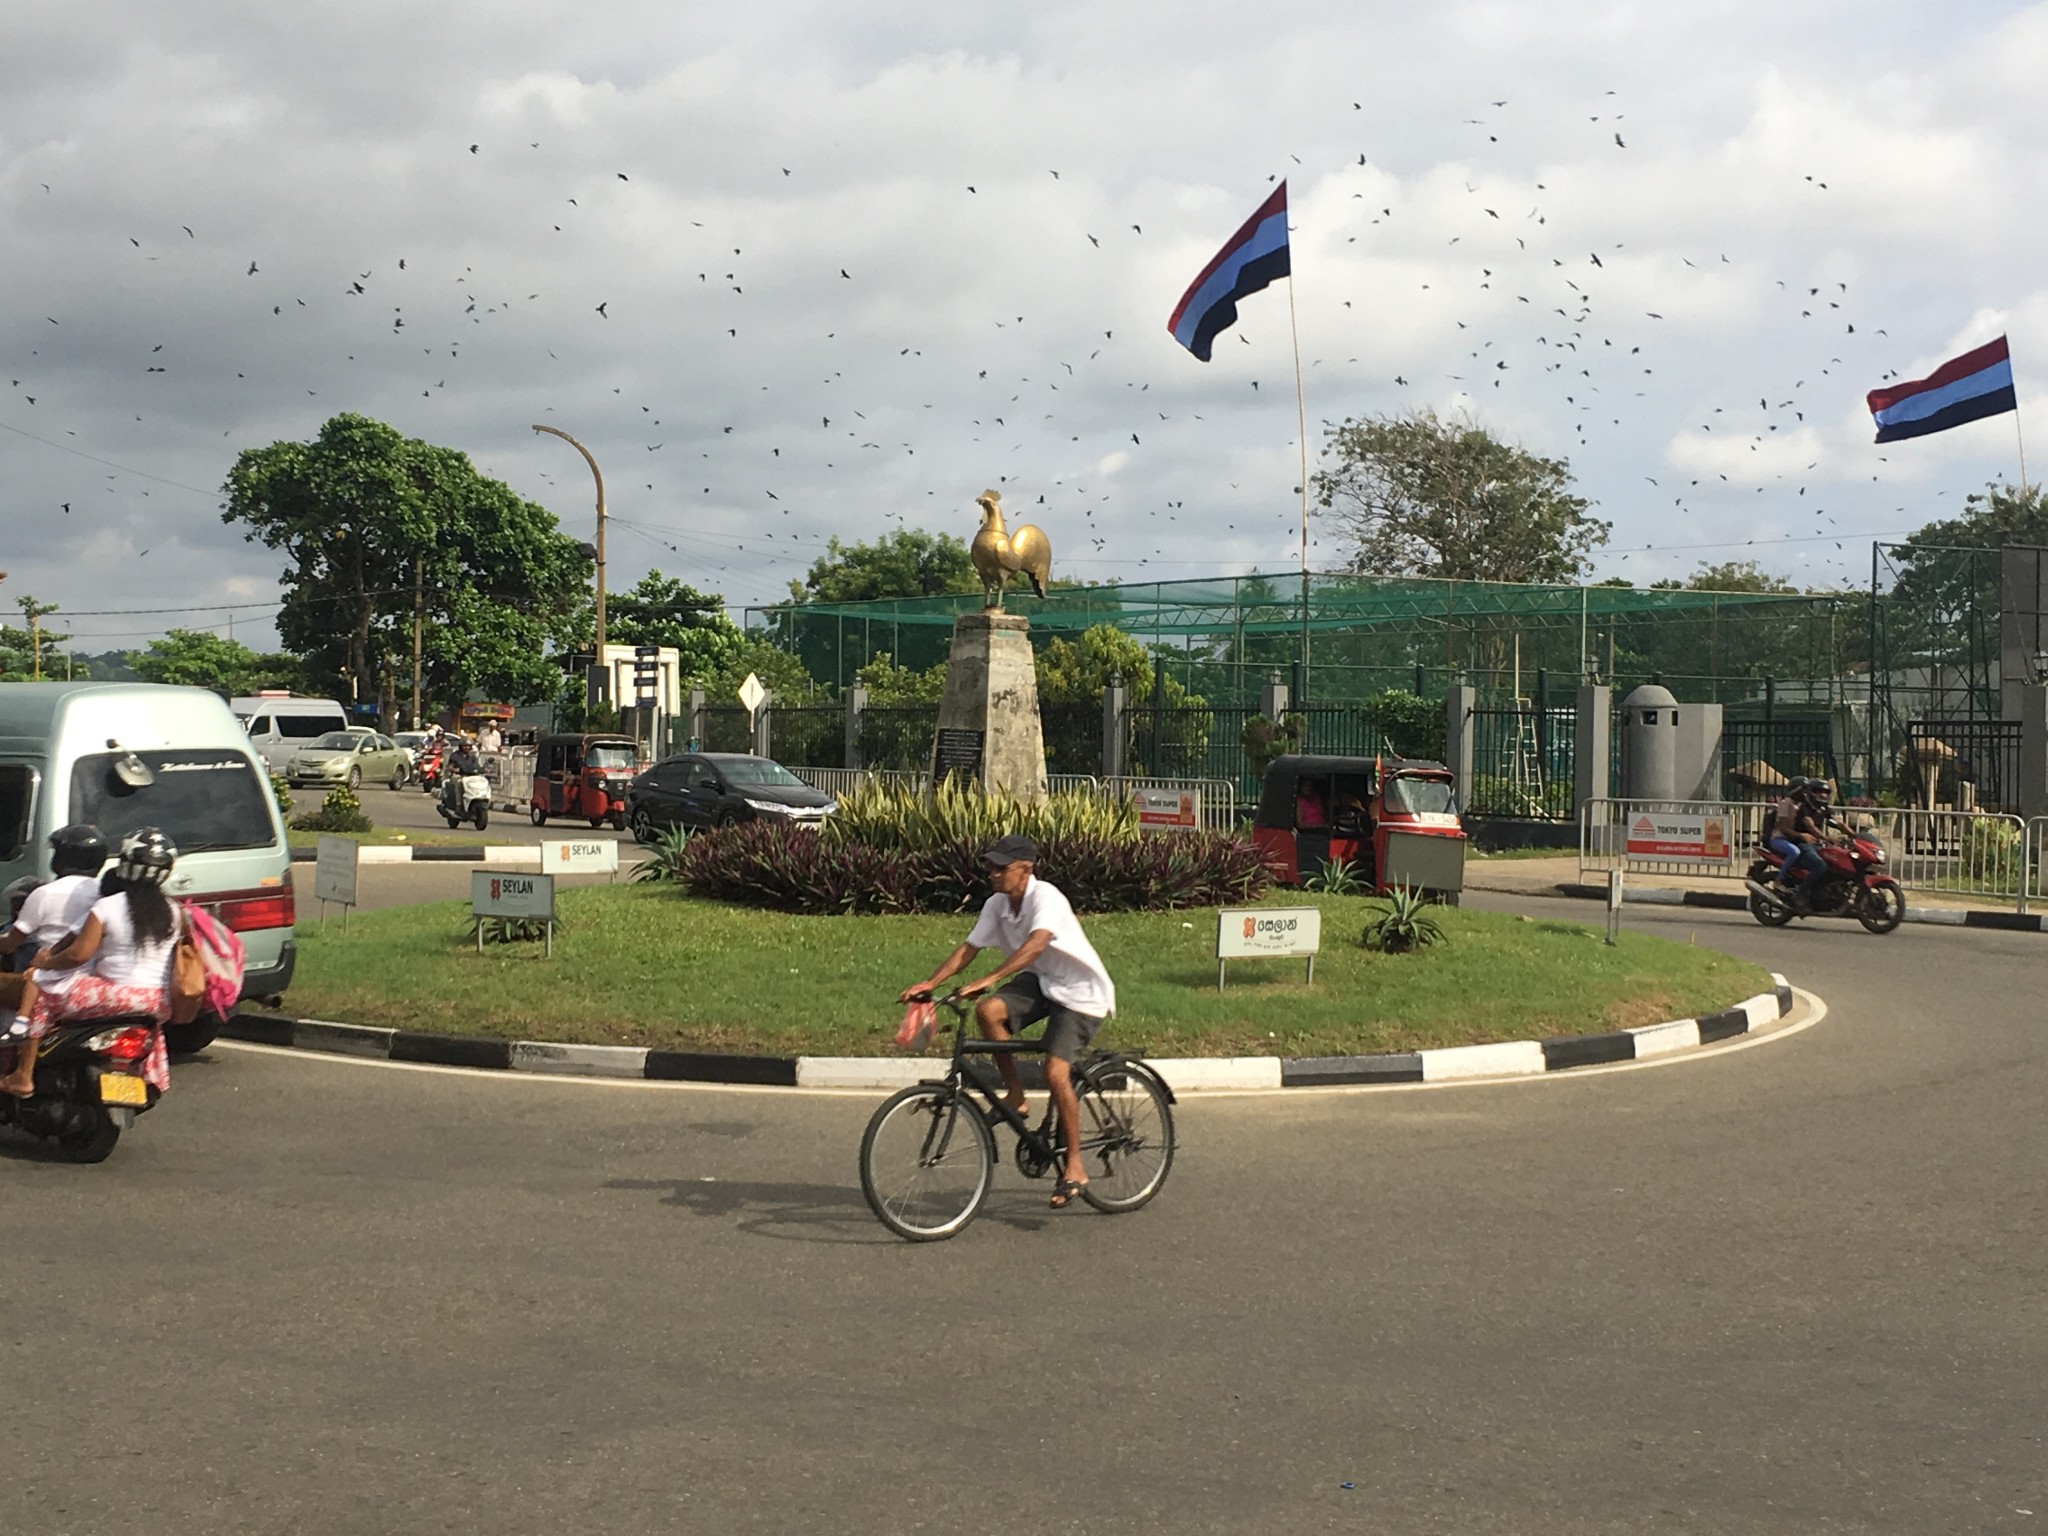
(201, 799)
(303, 727)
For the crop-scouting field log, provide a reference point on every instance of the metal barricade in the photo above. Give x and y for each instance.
(1059, 783)
(843, 781)
(511, 776)
(1978, 855)
(1218, 797)
(1670, 837)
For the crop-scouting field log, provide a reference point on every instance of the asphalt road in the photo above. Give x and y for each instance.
(1795, 1286)
(412, 809)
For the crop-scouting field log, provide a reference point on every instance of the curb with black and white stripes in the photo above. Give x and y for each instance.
(1506, 1058)
(465, 853)
(1728, 901)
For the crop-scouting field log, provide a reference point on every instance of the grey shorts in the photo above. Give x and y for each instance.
(1067, 1033)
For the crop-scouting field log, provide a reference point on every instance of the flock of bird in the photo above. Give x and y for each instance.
(825, 424)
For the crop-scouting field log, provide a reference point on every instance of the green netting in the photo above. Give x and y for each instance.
(1344, 637)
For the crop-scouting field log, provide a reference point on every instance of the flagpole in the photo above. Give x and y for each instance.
(2021, 436)
(1301, 422)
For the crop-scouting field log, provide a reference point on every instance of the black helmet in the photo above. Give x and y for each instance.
(146, 857)
(78, 849)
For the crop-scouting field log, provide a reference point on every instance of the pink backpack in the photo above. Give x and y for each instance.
(221, 953)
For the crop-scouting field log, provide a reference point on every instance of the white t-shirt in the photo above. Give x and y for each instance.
(1069, 971)
(57, 909)
(123, 958)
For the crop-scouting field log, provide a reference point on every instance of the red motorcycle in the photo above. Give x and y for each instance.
(1852, 882)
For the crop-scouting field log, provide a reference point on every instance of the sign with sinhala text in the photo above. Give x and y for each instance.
(1167, 810)
(497, 895)
(597, 856)
(1246, 933)
(1668, 835)
(334, 870)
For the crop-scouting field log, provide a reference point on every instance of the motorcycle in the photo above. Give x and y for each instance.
(1853, 882)
(428, 768)
(90, 1085)
(466, 797)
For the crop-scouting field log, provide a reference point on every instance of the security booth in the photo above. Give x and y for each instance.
(583, 774)
(1393, 821)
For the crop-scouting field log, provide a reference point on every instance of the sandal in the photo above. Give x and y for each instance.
(995, 1118)
(1066, 1191)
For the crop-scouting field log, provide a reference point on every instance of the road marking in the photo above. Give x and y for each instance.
(1816, 1010)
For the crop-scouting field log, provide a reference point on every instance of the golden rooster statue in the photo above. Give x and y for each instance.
(996, 553)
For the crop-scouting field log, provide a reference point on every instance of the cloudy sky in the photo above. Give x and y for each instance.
(856, 262)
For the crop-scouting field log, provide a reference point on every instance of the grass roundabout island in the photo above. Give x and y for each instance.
(647, 965)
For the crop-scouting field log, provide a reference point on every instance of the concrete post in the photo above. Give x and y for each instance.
(1460, 700)
(1115, 699)
(696, 742)
(2033, 702)
(856, 702)
(761, 724)
(1593, 744)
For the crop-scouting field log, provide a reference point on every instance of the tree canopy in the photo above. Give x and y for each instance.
(1418, 496)
(198, 659)
(360, 513)
(906, 563)
(661, 610)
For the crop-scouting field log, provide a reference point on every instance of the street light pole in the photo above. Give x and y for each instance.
(599, 478)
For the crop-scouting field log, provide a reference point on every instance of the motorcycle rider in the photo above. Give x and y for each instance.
(456, 768)
(50, 913)
(1795, 835)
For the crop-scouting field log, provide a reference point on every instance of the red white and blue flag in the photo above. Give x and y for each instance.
(1967, 388)
(1249, 260)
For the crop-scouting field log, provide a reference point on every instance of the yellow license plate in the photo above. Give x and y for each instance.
(116, 1089)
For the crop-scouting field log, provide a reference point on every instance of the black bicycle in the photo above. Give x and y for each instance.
(929, 1154)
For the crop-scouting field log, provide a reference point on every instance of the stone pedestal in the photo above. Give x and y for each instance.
(988, 716)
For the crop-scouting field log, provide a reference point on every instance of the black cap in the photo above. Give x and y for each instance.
(1013, 848)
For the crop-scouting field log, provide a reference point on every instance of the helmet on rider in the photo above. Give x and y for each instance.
(78, 849)
(1822, 790)
(146, 857)
(1798, 785)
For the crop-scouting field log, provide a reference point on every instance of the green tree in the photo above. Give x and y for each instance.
(34, 650)
(365, 517)
(906, 563)
(1728, 576)
(1418, 496)
(781, 673)
(197, 658)
(660, 610)
(890, 686)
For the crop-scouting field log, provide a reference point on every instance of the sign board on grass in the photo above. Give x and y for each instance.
(1267, 933)
(334, 871)
(1670, 835)
(498, 895)
(1168, 810)
(596, 856)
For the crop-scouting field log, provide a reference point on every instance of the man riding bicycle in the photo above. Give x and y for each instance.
(1051, 972)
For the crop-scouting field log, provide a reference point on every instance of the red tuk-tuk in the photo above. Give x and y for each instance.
(583, 775)
(1394, 821)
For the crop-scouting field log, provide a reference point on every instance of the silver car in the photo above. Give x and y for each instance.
(349, 757)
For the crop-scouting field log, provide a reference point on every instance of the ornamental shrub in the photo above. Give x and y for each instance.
(795, 869)
(895, 816)
(341, 811)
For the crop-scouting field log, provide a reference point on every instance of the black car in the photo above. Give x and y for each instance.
(716, 789)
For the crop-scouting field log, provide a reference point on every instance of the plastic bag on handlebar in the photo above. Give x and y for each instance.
(919, 1020)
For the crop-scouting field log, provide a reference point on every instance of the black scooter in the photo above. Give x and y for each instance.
(89, 1085)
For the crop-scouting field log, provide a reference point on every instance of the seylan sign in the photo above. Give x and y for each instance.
(1265, 933)
(334, 869)
(1669, 835)
(498, 895)
(595, 856)
(1168, 810)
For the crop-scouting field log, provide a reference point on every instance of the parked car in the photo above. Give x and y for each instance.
(349, 757)
(717, 789)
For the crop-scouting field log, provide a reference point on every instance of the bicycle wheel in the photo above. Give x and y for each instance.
(1126, 1134)
(926, 1161)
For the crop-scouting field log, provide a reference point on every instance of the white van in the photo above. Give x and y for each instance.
(128, 755)
(279, 724)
